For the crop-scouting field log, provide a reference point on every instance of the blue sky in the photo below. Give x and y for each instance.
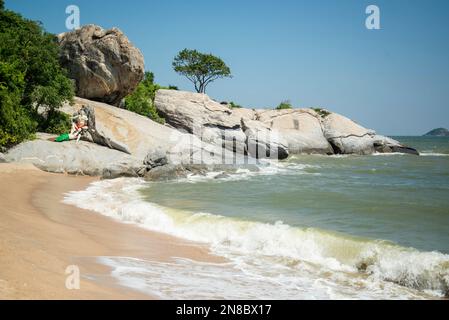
(314, 53)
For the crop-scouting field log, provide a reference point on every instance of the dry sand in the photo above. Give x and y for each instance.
(40, 236)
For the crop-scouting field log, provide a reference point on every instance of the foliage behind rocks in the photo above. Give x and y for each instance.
(284, 105)
(141, 101)
(30, 76)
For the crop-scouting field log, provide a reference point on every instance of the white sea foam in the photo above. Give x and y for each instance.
(381, 154)
(265, 169)
(423, 154)
(248, 243)
(433, 154)
(187, 279)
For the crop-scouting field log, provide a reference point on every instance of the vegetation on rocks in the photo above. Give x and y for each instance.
(323, 113)
(141, 101)
(284, 105)
(233, 105)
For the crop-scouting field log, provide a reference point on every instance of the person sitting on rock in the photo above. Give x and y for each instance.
(79, 125)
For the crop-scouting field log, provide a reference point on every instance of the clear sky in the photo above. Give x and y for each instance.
(314, 53)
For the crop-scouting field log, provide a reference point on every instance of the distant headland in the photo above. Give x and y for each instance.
(439, 132)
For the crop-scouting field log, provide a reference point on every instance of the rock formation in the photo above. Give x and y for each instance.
(96, 136)
(142, 136)
(80, 158)
(103, 63)
(217, 139)
(216, 124)
(301, 128)
(280, 132)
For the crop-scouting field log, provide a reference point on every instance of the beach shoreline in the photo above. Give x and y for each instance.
(41, 236)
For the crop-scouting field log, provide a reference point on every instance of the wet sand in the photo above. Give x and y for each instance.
(40, 237)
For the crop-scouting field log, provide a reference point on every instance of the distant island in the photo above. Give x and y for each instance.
(439, 132)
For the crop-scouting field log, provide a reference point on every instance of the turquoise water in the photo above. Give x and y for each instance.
(399, 198)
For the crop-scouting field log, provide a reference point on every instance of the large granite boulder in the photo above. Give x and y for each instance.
(216, 124)
(103, 63)
(199, 115)
(78, 158)
(348, 137)
(301, 128)
(263, 142)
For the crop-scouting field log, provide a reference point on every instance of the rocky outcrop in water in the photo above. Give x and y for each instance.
(301, 128)
(439, 132)
(280, 132)
(218, 125)
(262, 141)
(103, 63)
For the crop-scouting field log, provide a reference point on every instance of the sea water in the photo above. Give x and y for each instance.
(310, 227)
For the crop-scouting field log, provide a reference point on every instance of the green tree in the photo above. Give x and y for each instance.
(141, 101)
(30, 76)
(16, 124)
(201, 69)
(284, 105)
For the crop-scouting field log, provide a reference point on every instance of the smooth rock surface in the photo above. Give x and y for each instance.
(142, 136)
(263, 142)
(199, 115)
(216, 124)
(79, 158)
(301, 128)
(347, 137)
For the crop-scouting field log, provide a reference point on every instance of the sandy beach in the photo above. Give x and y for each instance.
(40, 237)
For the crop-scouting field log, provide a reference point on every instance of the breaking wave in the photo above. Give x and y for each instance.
(343, 258)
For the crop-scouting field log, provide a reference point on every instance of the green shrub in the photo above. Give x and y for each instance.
(55, 122)
(323, 113)
(284, 105)
(141, 101)
(233, 105)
